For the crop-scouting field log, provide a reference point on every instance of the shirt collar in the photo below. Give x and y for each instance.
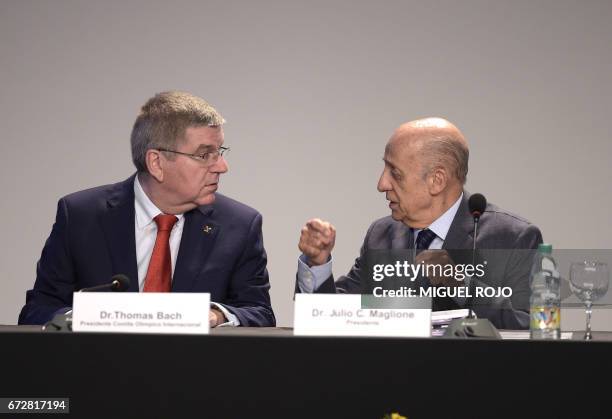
(146, 210)
(442, 224)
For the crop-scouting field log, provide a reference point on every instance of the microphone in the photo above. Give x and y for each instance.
(119, 282)
(471, 327)
(63, 322)
(477, 205)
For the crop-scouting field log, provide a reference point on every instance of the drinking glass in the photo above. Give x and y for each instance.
(589, 282)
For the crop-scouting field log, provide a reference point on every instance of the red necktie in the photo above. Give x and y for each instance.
(160, 265)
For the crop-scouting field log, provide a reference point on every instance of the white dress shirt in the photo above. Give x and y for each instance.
(146, 233)
(311, 278)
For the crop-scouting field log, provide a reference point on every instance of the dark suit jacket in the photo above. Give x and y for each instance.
(93, 238)
(504, 240)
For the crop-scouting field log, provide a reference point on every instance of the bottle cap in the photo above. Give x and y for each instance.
(545, 248)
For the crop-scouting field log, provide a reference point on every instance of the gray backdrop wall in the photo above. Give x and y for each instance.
(311, 92)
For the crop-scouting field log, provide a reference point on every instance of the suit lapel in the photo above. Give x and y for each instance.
(402, 236)
(118, 226)
(461, 231)
(199, 234)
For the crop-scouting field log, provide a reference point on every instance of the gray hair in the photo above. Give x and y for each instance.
(447, 152)
(164, 119)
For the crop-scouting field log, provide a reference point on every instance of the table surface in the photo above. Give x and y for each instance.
(279, 331)
(269, 373)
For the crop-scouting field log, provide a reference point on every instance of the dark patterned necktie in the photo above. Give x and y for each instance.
(424, 239)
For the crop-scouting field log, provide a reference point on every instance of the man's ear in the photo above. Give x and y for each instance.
(155, 164)
(437, 180)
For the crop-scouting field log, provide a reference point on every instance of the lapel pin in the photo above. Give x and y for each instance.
(207, 229)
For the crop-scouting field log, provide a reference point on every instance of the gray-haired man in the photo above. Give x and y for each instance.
(165, 227)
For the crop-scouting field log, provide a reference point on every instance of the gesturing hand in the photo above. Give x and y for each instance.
(317, 241)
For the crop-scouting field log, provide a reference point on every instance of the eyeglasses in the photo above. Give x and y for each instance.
(209, 158)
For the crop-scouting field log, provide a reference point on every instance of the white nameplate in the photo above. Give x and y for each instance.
(342, 315)
(141, 312)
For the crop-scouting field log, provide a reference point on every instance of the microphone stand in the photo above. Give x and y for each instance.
(470, 299)
(63, 322)
(471, 327)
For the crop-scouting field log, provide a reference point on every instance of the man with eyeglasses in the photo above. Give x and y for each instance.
(165, 227)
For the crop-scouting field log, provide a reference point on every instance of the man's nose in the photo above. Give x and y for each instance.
(383, 183)
(220, 166)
